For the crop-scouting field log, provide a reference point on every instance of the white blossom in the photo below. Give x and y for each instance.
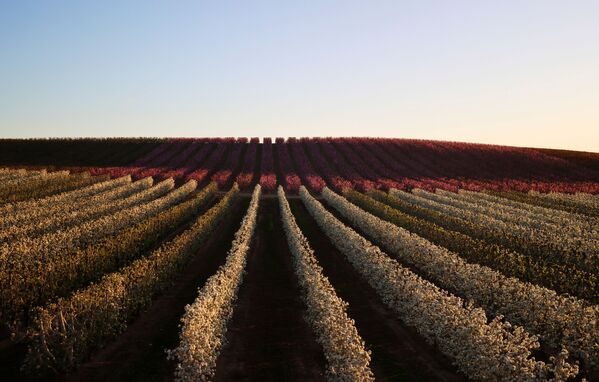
(35, 223)
(561, 249)
(23, 212)
(558, 320)
(348, 360)
(483, 350)
(204, 323)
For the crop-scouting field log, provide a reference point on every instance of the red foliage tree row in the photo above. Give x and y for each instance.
(290, 179)
(246, 176)
(268, 178)
(224, 176)
(360, 163)
(213, 162)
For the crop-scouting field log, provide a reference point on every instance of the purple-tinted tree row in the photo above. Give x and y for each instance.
(360, 163)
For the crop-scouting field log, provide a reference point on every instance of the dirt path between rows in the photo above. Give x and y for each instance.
(268, 339)
(398, 352)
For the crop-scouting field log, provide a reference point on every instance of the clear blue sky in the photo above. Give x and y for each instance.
(511, 72)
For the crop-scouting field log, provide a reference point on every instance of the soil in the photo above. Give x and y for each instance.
(268, 338)
(398, 352)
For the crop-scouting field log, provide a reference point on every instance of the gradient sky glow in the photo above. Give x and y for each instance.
(523, 73)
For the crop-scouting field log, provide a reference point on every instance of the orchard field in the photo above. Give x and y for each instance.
(340, 259)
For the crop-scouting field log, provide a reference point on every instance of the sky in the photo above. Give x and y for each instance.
(523, 73)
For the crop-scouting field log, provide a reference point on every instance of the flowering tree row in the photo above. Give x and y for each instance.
(545, 211)
(23, 185)
(19, 214)
(268, 178)
(537, 199)
(62, 185)
(544, 245)
(123, 197)
(578, 229)
(12, 211)
(11, 178)
(9, 173)
(66, 332)
(53, 186)
(347, 357)
(77, 268)
(552, 211)
(558, 320)
(18, 258)
(579, 200)
(482, 349)
(556, 221)
(569, 249)
(558, 277)
(204, 323)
